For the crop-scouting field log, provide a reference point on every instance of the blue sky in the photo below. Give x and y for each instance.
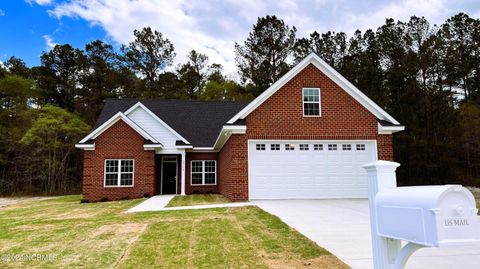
(28, 27)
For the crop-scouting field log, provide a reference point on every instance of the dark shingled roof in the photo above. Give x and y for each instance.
(199, 122)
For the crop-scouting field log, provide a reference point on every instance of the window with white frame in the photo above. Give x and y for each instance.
(346, 147)
(303, 146)
(260, 146)
(332, 146)
(311, 102)
(360, 147)
(317, 147)
(203, 172)
(274, 146)
(289, 146)
(119, 173)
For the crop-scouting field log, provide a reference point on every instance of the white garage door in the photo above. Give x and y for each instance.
(320, 169)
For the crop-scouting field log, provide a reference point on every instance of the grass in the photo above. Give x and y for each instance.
(197, 199)
(101, 235)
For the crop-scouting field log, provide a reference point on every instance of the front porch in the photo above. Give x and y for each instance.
(174, 173)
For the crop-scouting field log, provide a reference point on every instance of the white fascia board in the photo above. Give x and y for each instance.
(390, 129)
(203, 149)
(85, 146)
(119, 116)
(184, 147)
(226, 132)
(139, 104)
(329, 72)
(153, 146)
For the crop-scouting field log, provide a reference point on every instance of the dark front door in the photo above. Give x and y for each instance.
(169, 176)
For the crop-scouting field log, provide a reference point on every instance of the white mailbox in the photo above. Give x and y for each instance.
(428, 215)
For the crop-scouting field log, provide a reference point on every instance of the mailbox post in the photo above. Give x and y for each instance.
(381, 176)
(422, 216)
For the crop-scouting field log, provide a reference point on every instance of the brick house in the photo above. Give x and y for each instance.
(304, 137)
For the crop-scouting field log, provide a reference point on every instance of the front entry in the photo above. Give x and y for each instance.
(169, 175)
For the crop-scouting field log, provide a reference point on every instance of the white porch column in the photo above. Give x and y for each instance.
(381, 176)
(183, 173)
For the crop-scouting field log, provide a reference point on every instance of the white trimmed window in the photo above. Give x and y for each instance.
(289, 146)
(203, 172)
(274, 146)
(119, 173)
(303, 146)
(260, 146)
(332, 146)
(360, 147)
(346, 147)
(317, 147)
(311, 102)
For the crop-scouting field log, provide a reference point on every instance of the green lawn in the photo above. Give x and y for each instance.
(197, 199)
(101, 235)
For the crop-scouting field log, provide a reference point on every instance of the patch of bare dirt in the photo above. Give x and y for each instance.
(16, 200)
(324, 262)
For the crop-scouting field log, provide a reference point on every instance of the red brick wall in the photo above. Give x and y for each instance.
(385, 147)
(281, 117)
(118, 142)
(189, 189)
(233, 168)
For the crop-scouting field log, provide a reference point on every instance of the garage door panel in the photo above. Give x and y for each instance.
(280, 174)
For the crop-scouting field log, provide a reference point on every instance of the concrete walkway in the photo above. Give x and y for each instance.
(158, 203)
(343, 228)
(153, 203)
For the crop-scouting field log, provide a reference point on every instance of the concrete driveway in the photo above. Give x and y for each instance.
(343, 228)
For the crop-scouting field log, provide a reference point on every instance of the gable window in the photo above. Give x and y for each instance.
(275, 147)
(118, 173)
(260, 146)
(203, 172)
(317, 147)
(311, 102)
(303, 146)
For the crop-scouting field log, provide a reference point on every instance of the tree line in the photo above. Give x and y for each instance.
(426, 76)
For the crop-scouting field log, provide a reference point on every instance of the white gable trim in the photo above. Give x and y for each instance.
(119, 116)
(139, 104)
(226, 132)
(389, 129)
(330, 73)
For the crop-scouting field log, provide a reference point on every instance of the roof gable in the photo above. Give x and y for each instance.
(331, 73)
(198, 122)
(119, 116)
(131, 112)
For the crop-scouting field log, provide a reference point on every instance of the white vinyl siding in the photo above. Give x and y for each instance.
(154, 128)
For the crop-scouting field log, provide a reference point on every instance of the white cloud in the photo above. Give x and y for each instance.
(49, 43)
(213, 28)
(40, 2)
(2, 13)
